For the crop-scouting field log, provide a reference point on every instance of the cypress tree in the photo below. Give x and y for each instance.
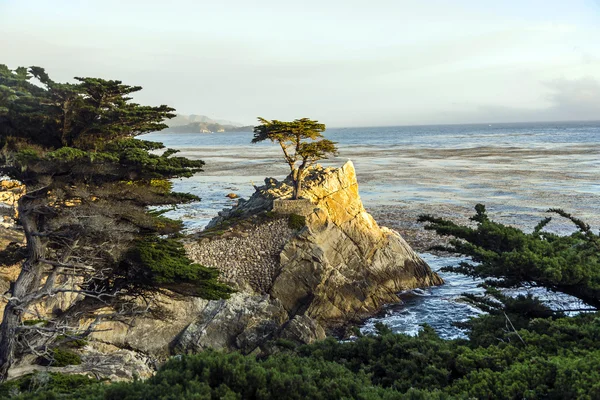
(89, 183)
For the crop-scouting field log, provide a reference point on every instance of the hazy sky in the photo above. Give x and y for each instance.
(346, 63)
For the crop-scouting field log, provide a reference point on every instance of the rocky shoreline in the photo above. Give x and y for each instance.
(404, 220)
(300, 270)
(340, 267)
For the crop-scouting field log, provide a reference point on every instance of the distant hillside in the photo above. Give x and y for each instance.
(182, 119)
(202, 124)
(204, 127)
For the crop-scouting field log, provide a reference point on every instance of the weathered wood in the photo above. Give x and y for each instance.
(28, 280)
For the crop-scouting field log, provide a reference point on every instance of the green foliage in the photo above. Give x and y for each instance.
(559, 360)
(67, 154)
(284, 131)
(509, 257)
(296, 222)
(77, 343)
(81, 115)
(25, 156)
(167, 263)
(43, 385)
(271, 215)
(62, 357)
(212, 375)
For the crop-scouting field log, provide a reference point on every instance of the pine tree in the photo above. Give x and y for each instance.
(85, 211)
(510, 258)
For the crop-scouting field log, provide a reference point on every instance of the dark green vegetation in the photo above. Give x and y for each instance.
(166, 263)
(520, 349)
(559, 360)
(302, 144)
(511, 258)
(85, 213)
(61, 358)
(296, 221)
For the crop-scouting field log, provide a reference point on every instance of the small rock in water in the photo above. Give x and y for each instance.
(232, 195)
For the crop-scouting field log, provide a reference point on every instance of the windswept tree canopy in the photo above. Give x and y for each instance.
(85, 215)
(511, 258)
(85, 115)
(301, 141)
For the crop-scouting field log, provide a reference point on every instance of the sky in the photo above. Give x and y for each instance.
(345, 63)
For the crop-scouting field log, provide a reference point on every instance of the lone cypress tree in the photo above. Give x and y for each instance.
(84, 214)
(301, 141)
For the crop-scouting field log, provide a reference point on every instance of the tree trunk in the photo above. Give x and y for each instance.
(297, 181)
(28, 281)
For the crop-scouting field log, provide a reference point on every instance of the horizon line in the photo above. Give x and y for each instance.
(468, 123)
(453, 123)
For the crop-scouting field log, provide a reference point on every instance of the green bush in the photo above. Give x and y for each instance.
(43, 385)
(296, 222)
(559, 359)
(166, 262)
(33, 322)
(62, 357)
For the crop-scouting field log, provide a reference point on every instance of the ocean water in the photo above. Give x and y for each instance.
(517, 170)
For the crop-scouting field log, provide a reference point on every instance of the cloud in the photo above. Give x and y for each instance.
(573, 98)
(569, 100)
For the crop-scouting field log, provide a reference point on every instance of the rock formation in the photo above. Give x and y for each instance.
(294, 280)
(340, 267)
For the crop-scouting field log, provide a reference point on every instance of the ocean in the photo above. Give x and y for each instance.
(517, 170)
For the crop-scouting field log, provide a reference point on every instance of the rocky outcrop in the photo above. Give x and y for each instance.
(243, 322)
(296, 278)
(302, 329)
(10, 193)
(354, 265)
(340, 268)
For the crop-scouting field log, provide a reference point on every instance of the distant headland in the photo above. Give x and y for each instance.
(202, 124)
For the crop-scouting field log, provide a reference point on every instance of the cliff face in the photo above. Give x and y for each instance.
(339, 268)
(354, 265)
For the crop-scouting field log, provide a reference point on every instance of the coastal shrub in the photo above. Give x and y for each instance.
(296, 222)
(44, 385)
(510, 258)
(271, 214)
(33, 322)
(559, 359)
(62, 357)
(213, 375)
(164, 261)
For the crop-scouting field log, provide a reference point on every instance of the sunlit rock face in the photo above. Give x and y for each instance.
(10, 193)
(339, 268)
(343, 266)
